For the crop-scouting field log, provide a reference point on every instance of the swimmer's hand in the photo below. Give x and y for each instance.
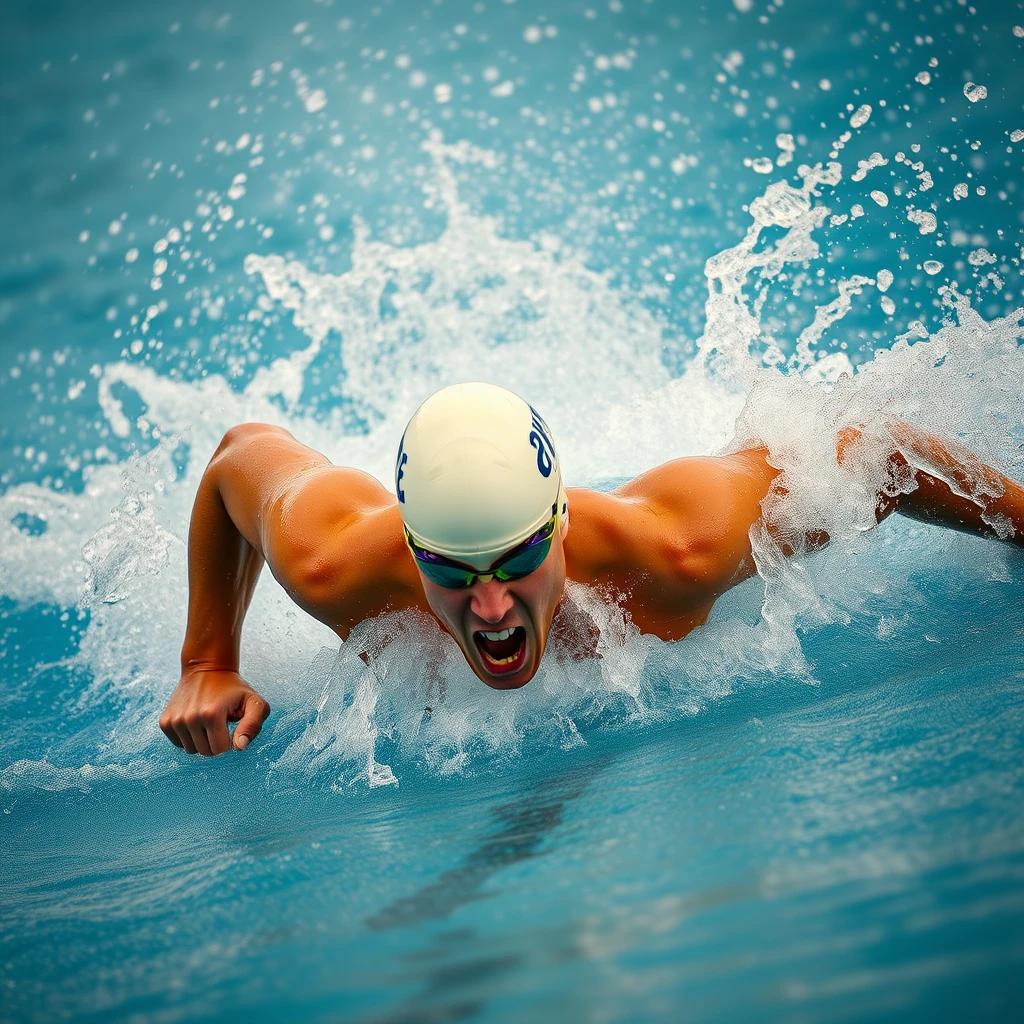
(197, 715)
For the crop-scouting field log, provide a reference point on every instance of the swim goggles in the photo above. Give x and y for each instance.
(523, 559)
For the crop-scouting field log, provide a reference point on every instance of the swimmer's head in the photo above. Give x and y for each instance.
(480, 488)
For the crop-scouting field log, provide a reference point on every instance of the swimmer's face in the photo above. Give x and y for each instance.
(526, 606)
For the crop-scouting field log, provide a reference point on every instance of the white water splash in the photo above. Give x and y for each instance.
(531, 315)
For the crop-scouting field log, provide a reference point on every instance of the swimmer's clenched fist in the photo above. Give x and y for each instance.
(197, 714)
(477, 535)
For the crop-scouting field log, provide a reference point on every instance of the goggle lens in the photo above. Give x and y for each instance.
(520, 562)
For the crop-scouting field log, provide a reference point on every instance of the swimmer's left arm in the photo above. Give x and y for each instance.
(944, 484)
(696, 515)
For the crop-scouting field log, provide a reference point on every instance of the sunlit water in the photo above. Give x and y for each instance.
(677, 229)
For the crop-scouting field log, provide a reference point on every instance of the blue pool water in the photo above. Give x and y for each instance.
(641, 215)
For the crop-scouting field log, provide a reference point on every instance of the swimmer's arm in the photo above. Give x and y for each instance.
(254, 465)
(230, 536)
(689, 522)
(225, 557)
(938, 476)
(330, 537)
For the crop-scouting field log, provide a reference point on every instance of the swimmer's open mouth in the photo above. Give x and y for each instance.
(502, 651)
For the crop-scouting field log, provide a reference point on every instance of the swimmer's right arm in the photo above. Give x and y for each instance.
(227, 546)
(223, 567)
(265, 497)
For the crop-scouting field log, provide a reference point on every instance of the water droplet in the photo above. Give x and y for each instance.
(922, 77)
(960, 190)
(762, 165)
(975, 92)
(880, 197)
(888, 306)
(1017, 135)
(315, 100)
(864, 166)
(860, 116)
(883, 279)
(924, 219)
(932, 267)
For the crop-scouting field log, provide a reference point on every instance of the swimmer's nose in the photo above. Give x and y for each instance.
(490, 600)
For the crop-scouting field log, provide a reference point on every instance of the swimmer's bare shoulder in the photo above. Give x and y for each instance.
(674, 539)
(331, 535)
(670, 541)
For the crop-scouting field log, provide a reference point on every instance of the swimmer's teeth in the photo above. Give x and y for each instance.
(502, 635)
(503, 660)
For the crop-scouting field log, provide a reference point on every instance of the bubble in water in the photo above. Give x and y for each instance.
(980, 258)
(883, 280)
(960, 190)
(888, 306)
(860, 116)
(975, 92)
(932, 267)
(880, 197)
(762, 165)
(1017, 134)
(922, 77)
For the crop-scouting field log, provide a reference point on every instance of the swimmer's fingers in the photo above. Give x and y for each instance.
(168, 729)
(197, 730)
(177, 732)
(217, 734)
(254, 713)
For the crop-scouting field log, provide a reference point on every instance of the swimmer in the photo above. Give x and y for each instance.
(478, 534)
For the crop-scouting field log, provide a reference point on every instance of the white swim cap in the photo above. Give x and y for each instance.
(477, 473)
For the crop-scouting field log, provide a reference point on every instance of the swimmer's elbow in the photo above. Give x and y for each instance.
(310, 578)
(706, 569)
(242, 434)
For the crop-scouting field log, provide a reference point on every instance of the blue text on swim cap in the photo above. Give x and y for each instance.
(540, 440)
(400, 470)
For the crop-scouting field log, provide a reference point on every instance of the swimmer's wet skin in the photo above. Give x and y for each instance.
(477, 534)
